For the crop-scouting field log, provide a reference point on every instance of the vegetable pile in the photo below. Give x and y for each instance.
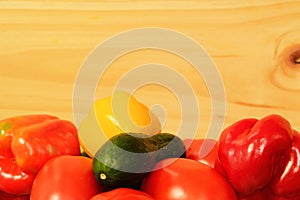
(44, 157)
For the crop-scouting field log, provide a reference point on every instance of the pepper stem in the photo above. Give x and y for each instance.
(102, 176)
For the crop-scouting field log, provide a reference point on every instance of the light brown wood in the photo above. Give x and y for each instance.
(254, 44)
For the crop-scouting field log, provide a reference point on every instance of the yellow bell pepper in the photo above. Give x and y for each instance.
(112, 115)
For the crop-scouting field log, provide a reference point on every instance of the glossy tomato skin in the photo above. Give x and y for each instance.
(66, 178)
(202, 150)
(186, 179)
(122, 194)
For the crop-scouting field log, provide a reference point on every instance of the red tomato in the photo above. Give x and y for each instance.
(122, 194)
(186, 179)
(66, 178)
(202, 150)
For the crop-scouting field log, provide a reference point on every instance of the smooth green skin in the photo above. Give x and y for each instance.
(110, 159)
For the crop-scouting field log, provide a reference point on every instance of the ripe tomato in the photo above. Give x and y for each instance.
(186, 179)
(122, 194)
(202, 150)
(66, 178)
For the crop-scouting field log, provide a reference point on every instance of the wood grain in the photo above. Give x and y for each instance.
(253, 44)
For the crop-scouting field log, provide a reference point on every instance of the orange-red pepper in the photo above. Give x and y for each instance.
(27, 143)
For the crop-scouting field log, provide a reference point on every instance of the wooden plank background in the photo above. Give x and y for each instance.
(254, 44)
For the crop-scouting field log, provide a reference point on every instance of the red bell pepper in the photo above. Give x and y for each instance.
(12, 179)
(262, 194)
(286, 181)
(5, 196)
(261, 158)
(27, 143)
(10, 125)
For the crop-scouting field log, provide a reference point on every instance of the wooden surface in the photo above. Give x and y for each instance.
(254, 44)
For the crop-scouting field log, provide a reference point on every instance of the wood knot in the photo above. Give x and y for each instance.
(289, 61)
(295, 58)
(286, 74)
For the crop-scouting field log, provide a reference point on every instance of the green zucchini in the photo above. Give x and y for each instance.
(125, 159)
